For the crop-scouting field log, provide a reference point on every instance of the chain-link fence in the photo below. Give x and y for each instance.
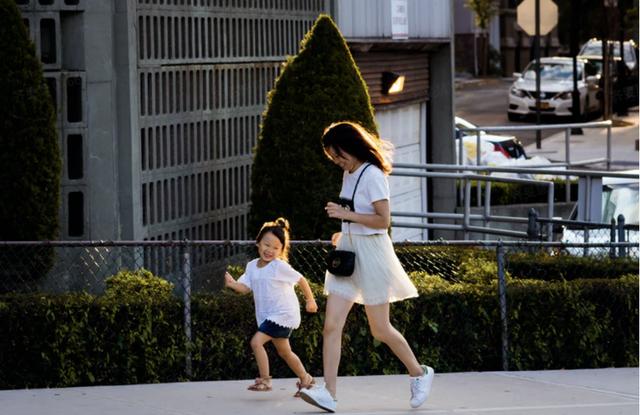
(198, 267)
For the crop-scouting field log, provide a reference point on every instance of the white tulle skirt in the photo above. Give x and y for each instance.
(378, 277)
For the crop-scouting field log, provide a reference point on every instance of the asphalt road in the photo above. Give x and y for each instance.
(485, 103)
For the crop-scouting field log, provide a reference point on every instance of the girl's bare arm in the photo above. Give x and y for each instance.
(230, 282)
(311, 305)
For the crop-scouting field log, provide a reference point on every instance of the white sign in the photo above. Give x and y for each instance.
(399, 19)
(527, 16)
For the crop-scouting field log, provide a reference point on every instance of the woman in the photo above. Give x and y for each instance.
(378, 278)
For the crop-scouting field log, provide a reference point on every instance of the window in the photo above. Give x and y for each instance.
(47, 40)
(75, 214)
(74, 157)
(74, 99)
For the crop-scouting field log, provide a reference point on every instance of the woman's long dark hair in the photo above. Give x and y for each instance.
(280, 229)
(351, 138)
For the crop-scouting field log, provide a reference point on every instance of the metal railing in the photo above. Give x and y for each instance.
(567, 129)
(443, 171)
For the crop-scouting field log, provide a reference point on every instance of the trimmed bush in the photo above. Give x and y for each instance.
(82, 340)
(30, 158)
(138, 286)
(566, 267)
(291, 176)
(79, 339)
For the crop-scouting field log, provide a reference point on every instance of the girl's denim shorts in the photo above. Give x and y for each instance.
(274, 330)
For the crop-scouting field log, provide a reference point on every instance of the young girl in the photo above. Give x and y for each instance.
(272, 279)
(378, 278)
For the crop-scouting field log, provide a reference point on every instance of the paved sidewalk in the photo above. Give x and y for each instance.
(567, 392)
(593, 144)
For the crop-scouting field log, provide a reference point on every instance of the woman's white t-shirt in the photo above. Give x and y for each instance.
(273, 292)
(373, 187)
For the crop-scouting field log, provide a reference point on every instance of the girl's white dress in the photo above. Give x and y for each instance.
(273, 292)
(378, 277)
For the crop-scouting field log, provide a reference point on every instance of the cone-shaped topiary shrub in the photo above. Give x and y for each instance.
(29, 155)
(291, 176)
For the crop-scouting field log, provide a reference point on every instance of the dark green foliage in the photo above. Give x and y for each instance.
(576, 324)
(291, 176)
(78, 339)
(566, 267)
(30, 159)
(137, 286)
(82, 340)
(517, 193)
(464, 264)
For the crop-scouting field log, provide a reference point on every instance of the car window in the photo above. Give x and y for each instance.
(594, 48)
(552, 71)
(620, 200)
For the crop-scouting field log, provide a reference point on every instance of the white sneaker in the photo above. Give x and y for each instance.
(319, 396)
(421, 386)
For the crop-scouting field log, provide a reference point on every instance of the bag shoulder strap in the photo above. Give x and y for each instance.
(353, 197)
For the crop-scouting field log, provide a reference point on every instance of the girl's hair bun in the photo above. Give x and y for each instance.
(283, 223)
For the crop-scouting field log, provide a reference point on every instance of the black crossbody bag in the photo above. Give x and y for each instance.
(341, 263)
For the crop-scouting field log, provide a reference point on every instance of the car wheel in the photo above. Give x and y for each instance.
(512, 116)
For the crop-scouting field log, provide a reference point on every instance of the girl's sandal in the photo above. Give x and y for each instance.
(308, 382)
(261, 385)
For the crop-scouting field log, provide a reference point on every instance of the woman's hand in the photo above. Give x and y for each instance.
(336, 211)
(335, 238)
(311, 306)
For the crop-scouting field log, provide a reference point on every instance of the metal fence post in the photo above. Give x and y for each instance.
(612, 238)
(532, 225)
(622, 251)
(502, 295)
(186, 283)
(478, 163)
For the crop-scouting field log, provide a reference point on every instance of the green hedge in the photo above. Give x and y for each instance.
(518, 193)
(566, 267)
(470, 264)
(83, 340)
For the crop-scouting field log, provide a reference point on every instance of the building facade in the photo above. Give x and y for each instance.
(160, 102)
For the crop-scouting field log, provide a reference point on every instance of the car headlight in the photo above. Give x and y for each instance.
(564, 95)
(518, 92)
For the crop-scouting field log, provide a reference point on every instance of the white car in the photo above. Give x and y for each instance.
(556, 86)
(619, 197)
(592, 50)
(495, 149)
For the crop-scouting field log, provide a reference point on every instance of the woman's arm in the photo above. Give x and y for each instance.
(235, 285)
(381, 219)
(311, 305)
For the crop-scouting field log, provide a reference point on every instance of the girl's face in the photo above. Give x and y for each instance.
(344, 160)
(269, 247)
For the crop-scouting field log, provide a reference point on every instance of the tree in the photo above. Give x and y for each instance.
(484, 10)
(29, 156)
(291, 176)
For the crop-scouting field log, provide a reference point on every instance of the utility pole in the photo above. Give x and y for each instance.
(622, 73)
(606, 58)
(575, 96)
(537, 54)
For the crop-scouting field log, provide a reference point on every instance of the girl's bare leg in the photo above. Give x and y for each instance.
(381, 329)
(293, 361)
(262, 359)
(336, 313)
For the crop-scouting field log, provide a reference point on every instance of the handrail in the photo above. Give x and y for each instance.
(593, 124)
(504, 169)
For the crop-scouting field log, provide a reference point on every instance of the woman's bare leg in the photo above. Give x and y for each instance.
(335, 316)
(381, 329)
